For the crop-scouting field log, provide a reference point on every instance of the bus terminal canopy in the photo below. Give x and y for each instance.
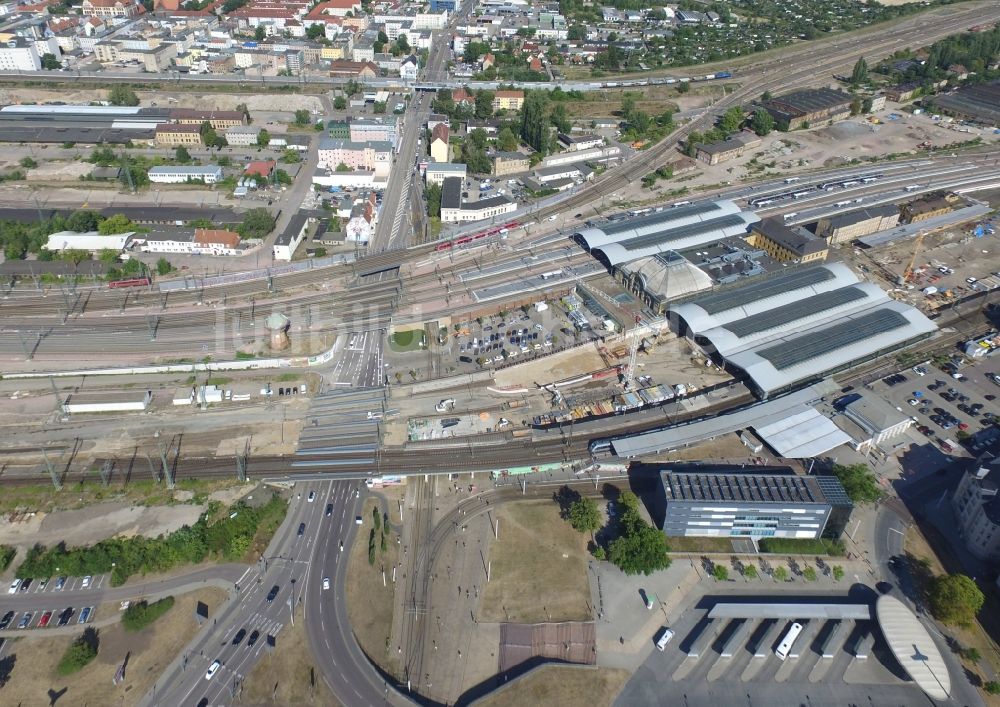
(913, 647)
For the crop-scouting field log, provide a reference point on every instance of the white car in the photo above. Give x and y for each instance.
(326, 583)
(212, 670)
(86, 582)
(13, 586)
(312, 496)
(919, 370)
(358, 520)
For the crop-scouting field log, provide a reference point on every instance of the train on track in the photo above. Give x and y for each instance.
(809, 189)
(132, 282)
(463, 241)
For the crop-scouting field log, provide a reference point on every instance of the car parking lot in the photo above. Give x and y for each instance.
(519, 335)
(44, 617)
(946, 406)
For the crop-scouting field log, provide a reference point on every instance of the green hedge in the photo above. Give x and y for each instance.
(79, 653)
(799, 546)
(141, 614)
(226, 538)
(6, 556)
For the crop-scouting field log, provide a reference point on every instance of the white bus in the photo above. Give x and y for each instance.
(788, 641)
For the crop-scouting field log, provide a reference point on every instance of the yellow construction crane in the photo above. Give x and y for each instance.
(908, 272)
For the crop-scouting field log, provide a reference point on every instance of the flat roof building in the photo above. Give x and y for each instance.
(179, 174)
(794, 110)
(736, 502)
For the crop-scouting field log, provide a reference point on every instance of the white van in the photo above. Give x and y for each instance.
(665, 637)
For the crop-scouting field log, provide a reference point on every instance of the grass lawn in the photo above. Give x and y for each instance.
(539, 570)
(561, 686)
(409, 340)
(369, 604)
(285, 676)
(150, 651)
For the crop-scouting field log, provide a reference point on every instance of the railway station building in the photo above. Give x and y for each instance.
(782, 331)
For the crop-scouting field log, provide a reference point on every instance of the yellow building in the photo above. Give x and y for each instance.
(787, 244)
(927, 207)
(174, 134)
(846, 227)
(508, 100)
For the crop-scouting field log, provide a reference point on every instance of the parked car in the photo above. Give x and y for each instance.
(14, 586)
(85, 615)
(26, 618)
(44, 621)
(86, 582)
(5, 621)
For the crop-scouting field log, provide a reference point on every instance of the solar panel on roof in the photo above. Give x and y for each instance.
(794, 311)
(755, 291)
(802, 348)
(675, 234)
(665, 216)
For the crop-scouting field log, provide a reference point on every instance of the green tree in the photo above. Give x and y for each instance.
(257, 223)
(259, 33)
(640, 548)
(780, 574)
(291, 156)
(376, 519)
(809, 573)
(79, 653)
(576, 33)
(263, 138)
(83, 221)
(163, 267)
(838, 573)
(316, 31)
(720, 573)
(749, 571)
(859, 483)
(50, 62)
(475, 158)
(683, 87)
(691, 144)
(182, 155)
(208, 134)
(402, 46)
(122, 95)
(766, 96)
(507, 140)
(378, 107)
(762, 122)
(141, 614)
(340, 103)
(28, 163)
(560, 118)
(484, 104)
(955, 599)
(282, 177)
(534, 126)
(118, 223)
(860, 73)
(992, 687)
(432, 195)
(584, 516)
(972, 654)
(302, 117)
(732, 120)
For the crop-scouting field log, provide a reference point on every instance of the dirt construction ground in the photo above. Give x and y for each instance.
(182, 99)
(33, 680)
(560, 686)
(551, 368)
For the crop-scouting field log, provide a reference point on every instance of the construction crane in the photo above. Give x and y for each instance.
(908, 272)
(635, 338)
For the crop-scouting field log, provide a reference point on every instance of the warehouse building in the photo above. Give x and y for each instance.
(787, 243)
(845, 227)
(454, 210)
(977, 103)
(755, 502)
(928, 207)
(811, 106)
(786, 330)
(618, 242)
(728, 149)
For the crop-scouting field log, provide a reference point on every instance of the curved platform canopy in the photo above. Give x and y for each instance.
(913, 647)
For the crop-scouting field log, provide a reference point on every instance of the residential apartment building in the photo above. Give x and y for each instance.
(218, 119)
(375, 129)
(179, 174)
(787, 243)
(977, 509)
(242, 135)
(19, 55)
(353, 69)
(111, 9)
(505, 163)
(846, 227)
(374, 156)
(439, 143)
(508, 100)
(175, 134)
(201, 241)
(747, 502)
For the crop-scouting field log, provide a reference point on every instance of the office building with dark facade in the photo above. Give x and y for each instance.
(750, 502)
